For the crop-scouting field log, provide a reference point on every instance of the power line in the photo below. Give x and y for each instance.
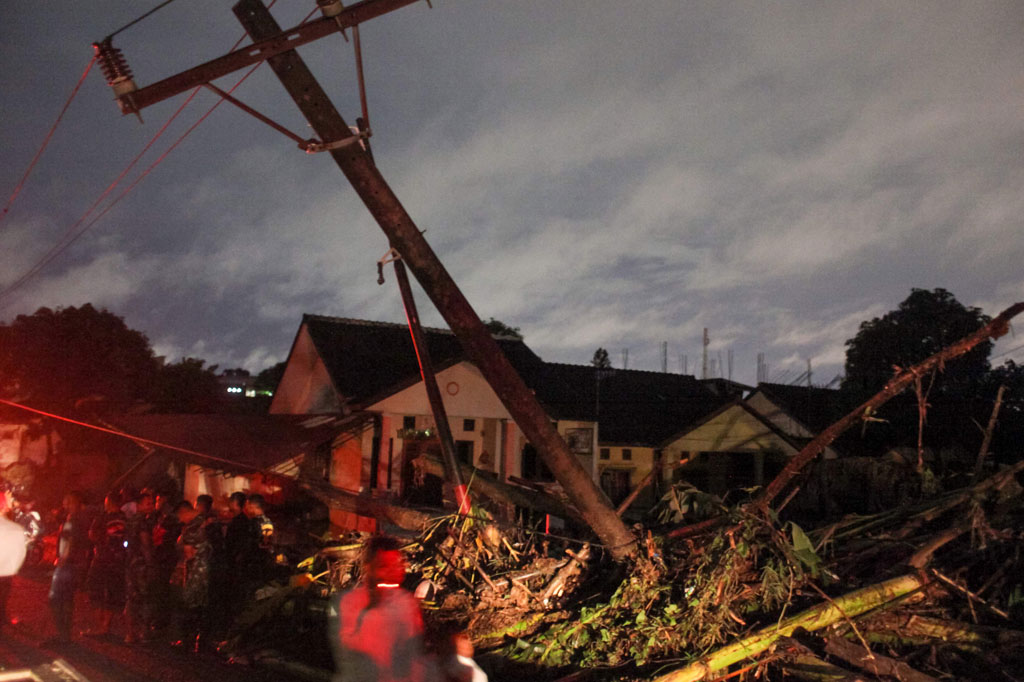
(138, 19)
(46, 140)
(1012, 350)
(71, 235)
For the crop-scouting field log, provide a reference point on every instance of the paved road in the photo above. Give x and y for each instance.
(109, 660)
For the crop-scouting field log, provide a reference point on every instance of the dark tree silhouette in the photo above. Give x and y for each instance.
(268, 379)
(923, 324)
(72, 358)
(187, 386)
(499, 328)
(601, 359)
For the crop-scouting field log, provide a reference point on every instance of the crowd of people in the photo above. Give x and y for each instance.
(173, 568)
(177, 569)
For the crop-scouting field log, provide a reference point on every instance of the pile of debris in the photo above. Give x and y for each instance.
(933, 588)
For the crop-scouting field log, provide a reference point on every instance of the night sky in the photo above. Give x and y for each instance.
(611, 174)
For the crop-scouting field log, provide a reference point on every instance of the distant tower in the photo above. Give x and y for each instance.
(625, 358)
(664, 357)
(704, 364)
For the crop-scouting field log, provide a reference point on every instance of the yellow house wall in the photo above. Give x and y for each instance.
(734, 430)
(639, 466)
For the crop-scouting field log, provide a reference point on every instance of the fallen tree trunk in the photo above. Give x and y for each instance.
(366, 505)
(480, 483)
(994, 329)
(821, 616)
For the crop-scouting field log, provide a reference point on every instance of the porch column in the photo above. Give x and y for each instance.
(509, 443)
(383, 453)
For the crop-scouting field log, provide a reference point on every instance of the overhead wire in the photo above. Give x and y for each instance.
(46, 140)
(138, 19)
(70, 236)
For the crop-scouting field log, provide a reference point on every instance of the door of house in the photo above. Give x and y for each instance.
(429, 492)
(615, 484)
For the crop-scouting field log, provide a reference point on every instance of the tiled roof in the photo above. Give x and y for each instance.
(368, 361)
(636, 407)
(815, 408)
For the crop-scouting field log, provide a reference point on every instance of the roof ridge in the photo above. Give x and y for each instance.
(369, 323)
(619, 369)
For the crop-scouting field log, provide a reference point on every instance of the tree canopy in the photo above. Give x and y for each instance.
(187, 386)
(601, 359)
(923, 324)
(88, 360)
(70, 357)
(499, 328)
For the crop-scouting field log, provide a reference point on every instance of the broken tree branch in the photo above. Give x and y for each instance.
(557, 585)
(874, 663)
(986, 441)
(994, 329)
(971, 597)
(644, 482)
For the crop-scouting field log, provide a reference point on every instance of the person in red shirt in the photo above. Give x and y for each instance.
(378, 631)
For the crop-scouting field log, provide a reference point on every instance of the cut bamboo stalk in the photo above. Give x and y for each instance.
(849, 605)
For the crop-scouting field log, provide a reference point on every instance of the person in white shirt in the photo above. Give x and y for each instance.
(12, 554)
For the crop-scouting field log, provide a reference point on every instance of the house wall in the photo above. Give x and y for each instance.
(350, 459)
(642, 459)
(305, 387)
(732, 449)
(466, 395)
(732, 430)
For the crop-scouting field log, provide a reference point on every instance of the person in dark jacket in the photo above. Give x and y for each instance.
(140, 572)
(106, 580)
(72, 560)
(194, 556)
(236, 537)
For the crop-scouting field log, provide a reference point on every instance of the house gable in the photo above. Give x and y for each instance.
(732, 429)
(806, 413)
(465, 392)
(306, 386)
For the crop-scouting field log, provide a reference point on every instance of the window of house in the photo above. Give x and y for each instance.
(469, 425)
(627, 454)
(409, 423)
(606, 453)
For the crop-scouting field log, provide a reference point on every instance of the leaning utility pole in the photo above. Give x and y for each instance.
(356, 163)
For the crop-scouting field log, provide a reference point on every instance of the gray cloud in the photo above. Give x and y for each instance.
(593, 173)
